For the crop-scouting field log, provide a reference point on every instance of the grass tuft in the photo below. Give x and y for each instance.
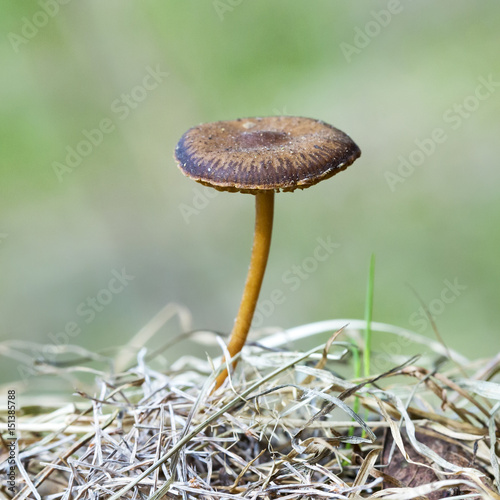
(279, 429)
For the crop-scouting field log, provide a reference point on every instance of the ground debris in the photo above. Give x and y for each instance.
(284, 426)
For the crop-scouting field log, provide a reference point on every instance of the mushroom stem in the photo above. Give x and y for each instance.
(264, 209)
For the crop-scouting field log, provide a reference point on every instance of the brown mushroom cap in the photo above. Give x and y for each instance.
(262, 154)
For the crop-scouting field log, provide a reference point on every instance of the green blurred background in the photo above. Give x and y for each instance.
(416, 85)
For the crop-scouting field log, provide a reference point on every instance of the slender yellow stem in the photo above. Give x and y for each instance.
(264, 209)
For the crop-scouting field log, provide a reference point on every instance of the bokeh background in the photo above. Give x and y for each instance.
(416, 84)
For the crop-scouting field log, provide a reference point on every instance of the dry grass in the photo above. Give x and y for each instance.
(284, 427)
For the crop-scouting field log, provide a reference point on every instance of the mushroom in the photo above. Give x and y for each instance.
(262, 156)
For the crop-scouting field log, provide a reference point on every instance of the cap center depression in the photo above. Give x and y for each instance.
(261, 139)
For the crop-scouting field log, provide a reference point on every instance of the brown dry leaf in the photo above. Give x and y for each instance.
(410, 474)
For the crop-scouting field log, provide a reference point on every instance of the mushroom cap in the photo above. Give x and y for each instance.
(275, 153)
